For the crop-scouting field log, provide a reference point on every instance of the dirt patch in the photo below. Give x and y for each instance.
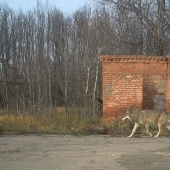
(94, 152)
(147, 160)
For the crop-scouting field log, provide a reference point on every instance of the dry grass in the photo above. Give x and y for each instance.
(24, 123)
(20, 124)
(55, 121)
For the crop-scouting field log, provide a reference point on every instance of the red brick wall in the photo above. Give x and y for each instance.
(155, 80)
(133, 82)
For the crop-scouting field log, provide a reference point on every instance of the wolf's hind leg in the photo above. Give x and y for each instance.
(147, 129)
(168, 127)
(159, 131)
(134, 129)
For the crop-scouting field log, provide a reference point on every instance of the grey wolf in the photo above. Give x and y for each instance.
(147, 117)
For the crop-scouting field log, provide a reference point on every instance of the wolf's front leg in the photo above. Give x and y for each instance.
(159, 131)
(134, 129)
(147, 129)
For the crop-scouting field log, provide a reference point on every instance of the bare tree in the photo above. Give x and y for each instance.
(49, 59)
(161, 23)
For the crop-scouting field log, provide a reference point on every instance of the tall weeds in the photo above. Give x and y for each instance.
(24, 123)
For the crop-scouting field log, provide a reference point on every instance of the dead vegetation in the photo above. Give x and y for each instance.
(61, 124)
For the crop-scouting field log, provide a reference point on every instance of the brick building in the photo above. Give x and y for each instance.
(134, 82)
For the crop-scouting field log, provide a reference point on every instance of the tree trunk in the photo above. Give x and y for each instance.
(161, 14)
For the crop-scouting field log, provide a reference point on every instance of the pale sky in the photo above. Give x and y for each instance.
(63, 5)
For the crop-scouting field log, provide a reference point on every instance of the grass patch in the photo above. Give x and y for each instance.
(59, 123)
(56, 122)
(23, 125)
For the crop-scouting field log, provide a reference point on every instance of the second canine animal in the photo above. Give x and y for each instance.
(146, 117)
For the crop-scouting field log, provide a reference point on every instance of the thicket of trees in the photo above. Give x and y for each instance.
(49, 59)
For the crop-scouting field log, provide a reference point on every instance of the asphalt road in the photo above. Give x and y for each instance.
(94, 152)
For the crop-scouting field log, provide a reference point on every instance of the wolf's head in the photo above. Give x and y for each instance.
(126, 116)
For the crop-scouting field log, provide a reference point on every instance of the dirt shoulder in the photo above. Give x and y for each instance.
(96, 152)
